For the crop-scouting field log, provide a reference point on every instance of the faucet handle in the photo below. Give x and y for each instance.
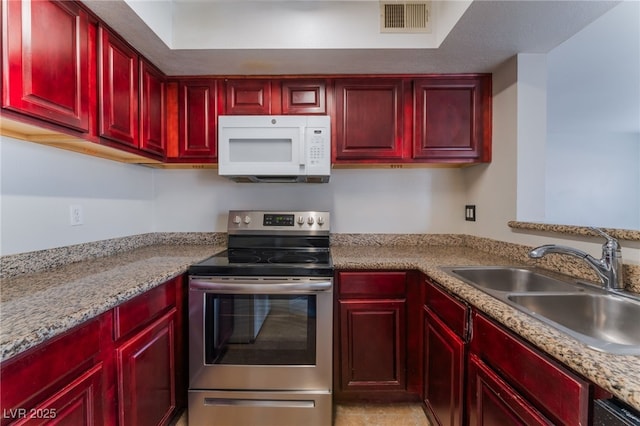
(601, 233)
(611, 243)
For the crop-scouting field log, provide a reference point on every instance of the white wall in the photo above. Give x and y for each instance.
(380, 201)
(497, 188)
(39, 183)
(317, 24)
(593, 141)
(493, 187)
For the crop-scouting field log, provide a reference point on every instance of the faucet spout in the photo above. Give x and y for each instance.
(608, 268)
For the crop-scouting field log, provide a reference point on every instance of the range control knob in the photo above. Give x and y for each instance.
(237, 220)
(247, 219)
(300, 220)
(320, 220)
(310, 220)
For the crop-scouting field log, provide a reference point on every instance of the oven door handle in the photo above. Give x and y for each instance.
(255, 287)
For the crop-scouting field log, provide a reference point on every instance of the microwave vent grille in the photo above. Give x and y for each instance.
(405, 16)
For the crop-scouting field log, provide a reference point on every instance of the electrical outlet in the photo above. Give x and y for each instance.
(77, 218)
(470, 213)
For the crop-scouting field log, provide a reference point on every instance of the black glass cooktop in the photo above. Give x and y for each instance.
(267, 262)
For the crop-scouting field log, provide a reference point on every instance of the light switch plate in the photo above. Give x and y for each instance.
(470, 212)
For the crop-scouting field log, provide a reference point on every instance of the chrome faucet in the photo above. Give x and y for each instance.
(609, 268)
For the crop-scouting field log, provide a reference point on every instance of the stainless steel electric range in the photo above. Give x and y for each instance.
(260, 323)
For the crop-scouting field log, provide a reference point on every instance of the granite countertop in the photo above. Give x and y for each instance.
(618, 374)
(37, 306)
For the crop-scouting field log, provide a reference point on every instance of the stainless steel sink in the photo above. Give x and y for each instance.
(608, 321)
(497, 278)
(603, 321)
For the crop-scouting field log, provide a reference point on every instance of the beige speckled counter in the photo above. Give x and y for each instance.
(39, 305)
(619, 374)
(35, 307)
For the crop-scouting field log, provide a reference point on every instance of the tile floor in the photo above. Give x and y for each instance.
(397, 414)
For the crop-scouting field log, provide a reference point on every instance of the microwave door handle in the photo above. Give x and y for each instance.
(302, 155)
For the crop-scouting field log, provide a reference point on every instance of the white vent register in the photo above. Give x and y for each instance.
(405, 16)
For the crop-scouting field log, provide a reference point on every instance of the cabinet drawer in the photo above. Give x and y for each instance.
(368, 284)
(143, 309)
(559, 394)
(451, 311)
(39, 371)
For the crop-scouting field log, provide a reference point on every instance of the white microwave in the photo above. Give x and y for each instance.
(274, 148)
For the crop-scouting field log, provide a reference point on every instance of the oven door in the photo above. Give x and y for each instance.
(260, 334)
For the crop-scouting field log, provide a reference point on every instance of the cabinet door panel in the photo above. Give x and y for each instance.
(46, 57)
(530, 372)
(452, 119)
(248, 97)
(373, 344)
(451, 311)
(146, 373)
(304, 97)
(118, 90)
(152, 109)
(197, 123)
(34, 375)
(78, 403)
(444, 360)
(369, 119)
(368, 284)
(492, 402)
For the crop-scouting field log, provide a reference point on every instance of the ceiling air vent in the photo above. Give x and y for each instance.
(405, 16)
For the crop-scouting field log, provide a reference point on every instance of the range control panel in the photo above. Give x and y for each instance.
(274, 222)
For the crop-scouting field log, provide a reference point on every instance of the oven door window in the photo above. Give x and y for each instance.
(260, 329)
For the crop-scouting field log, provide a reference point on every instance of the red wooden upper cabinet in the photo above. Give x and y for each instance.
(369, 120)
(452, 119)
(118, 100)
(46, 61)
(248, 97)
(198, 112)
(153, 89)
(304, 97)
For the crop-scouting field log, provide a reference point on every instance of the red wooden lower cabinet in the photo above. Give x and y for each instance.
(445, 337)
(377, 345)
(120, 368)
(78, 403)
(146, 374)
(512, 383)
(373, 344)
(443, 372)
(493, 402)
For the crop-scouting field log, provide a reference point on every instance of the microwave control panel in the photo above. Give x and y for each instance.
(318, 148)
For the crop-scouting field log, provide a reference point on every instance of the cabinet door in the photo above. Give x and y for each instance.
(46, 56)
(152, 109)
(529, 372)
(78, 403)
(197, 111)
(248, 97)
(492, 402)
(118, 90)
(452, 119)
(146, 374)
(304, 97)
(373, 344)
(443, 372)
(369, 120)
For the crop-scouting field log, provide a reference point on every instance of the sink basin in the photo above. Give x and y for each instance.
(507, 279)
(603, 321)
